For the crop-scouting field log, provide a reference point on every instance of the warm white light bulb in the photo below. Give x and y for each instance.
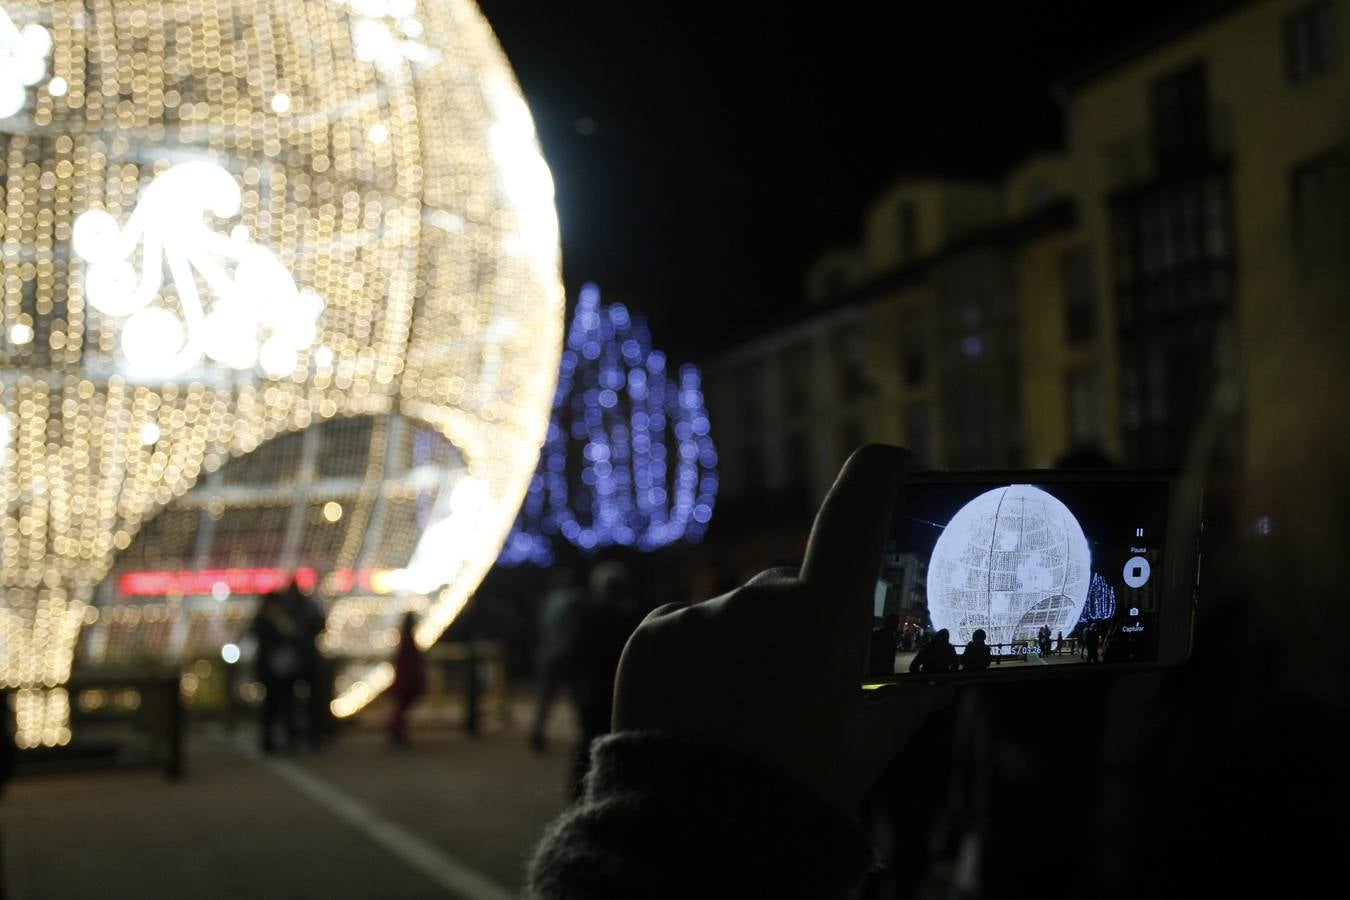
(277, 357)
(151, 340)
(12, 97)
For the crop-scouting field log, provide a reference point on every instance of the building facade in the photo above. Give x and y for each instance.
(1121, 295)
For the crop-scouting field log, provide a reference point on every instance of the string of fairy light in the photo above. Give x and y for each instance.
(1101, 600)
(369, 228)
(644, 468)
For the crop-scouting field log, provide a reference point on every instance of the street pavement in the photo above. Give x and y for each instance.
(452, 816)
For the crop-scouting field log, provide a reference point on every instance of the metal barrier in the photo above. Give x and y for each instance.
(149, 705)
(477, 670)
(467, 685)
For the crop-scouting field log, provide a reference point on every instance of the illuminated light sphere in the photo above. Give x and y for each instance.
(629, 459)
(237, 222)
(1011, 560)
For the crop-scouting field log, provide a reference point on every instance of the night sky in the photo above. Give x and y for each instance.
(704, 156)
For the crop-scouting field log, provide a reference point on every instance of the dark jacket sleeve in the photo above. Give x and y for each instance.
(663, 818)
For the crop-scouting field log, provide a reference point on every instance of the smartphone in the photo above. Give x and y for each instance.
(1036, 574)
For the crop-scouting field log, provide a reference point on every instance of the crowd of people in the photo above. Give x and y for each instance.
(938, 656)
(1091, 640)
(583, 630)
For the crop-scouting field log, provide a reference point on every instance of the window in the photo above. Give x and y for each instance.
(1086, 418)
(1174, 270)
(909, 232)
(1080, 296)
(1179, 116)
(1308, 42)
(848, 352)
(1217, 204)
(1173, 248)
(1315, 192)
(913, 347)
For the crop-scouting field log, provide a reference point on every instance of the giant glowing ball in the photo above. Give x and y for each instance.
(1010, 560)
(223, 222)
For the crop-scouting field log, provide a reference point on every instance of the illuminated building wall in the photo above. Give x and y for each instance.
(222, 223)
(1218, 182)
(629, 460)
(1161, 273)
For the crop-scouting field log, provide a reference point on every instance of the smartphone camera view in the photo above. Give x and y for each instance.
(1001, 577)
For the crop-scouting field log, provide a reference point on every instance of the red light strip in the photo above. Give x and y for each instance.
(239, 581)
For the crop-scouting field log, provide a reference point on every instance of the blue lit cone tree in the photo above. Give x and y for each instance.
(628, 460)
(1101, 601)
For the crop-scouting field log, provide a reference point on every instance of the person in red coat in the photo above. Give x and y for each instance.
(410, 680)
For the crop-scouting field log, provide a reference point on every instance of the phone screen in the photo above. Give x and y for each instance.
(999, 577)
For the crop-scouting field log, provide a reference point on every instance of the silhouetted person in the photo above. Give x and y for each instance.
(8, 752)
(976, 656)
(1091, 642)
(279, 662)
(1119, 646)
(410, 680)
(558, 619)
(937, 656)
(603, 624)
(881, 652)
(309, 617)
(1043, 640)
(320, 683)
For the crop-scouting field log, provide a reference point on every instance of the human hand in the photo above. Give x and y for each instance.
(773, 670)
